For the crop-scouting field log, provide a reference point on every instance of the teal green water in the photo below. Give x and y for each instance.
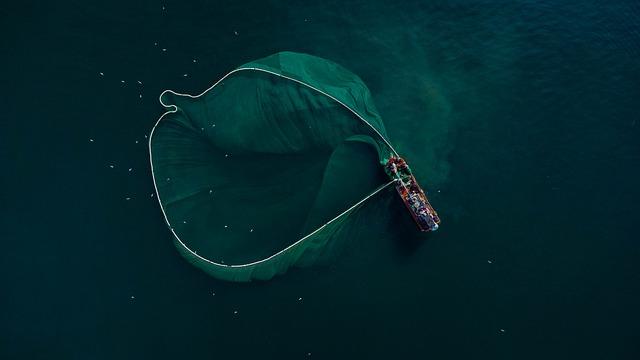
(520, 118)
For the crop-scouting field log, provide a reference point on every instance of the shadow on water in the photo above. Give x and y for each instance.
(407, 237)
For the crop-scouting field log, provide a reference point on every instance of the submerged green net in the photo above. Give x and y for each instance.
(261, 171)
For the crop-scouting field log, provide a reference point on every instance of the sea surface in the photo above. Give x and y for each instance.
(521, 118)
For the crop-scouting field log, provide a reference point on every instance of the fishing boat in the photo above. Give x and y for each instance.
(412, 194)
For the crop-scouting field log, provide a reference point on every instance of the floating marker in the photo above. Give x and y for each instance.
(251, 230)
(502, 331)
(128, 198)
(122, 81)
(299, 299)
(140, 96)
(90, 140)
(226, 226)
(194, 60)
(130, 169)
(136, 141)
(139, 82)
(235, 32)
(185, 75)
(132, 297)
(111, 166)
(101, 73)
(489, 261)
(164, 49)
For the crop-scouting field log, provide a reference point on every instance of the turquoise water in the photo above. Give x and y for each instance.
(521, 118)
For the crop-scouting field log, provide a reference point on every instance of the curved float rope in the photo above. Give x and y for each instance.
(174, 109)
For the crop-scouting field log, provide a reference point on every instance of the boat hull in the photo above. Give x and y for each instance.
(412, 195)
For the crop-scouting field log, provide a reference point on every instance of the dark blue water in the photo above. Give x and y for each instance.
(522, 118)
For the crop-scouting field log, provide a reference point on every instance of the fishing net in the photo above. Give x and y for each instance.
(262, 171)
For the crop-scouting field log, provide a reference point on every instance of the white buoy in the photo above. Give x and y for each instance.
(164, 49)
(130, 169)
(132, 297)
(122, 81)
(139, 82)
(90, 140)
(101, 73)
(235, 32)
(226, 226)
(111, 166)
(251, 230)
(140, 96)
(128, 198)
(194, 60)
(185, 75)
(502, 331)
(235, 312)
(136, 141)
(299, 299)
(210, 191)
(489, 261)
